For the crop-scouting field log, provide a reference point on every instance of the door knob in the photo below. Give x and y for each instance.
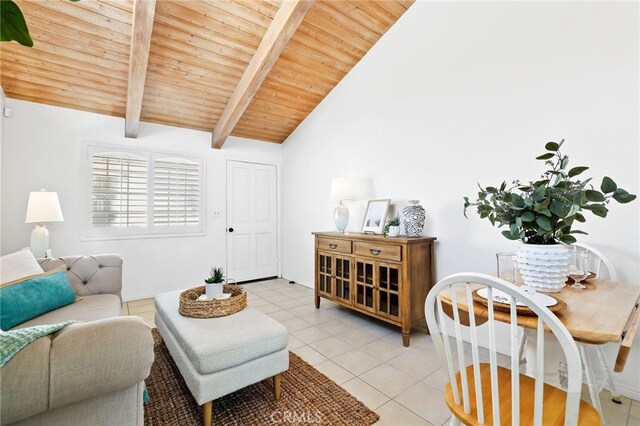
(230, 229)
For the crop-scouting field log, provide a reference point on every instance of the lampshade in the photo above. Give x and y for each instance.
(341, 189)
(43, 207)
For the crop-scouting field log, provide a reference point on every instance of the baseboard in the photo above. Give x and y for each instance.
(628, 391)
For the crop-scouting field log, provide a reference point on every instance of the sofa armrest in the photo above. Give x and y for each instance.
(97, 274)
(94, 358)
(82, 361)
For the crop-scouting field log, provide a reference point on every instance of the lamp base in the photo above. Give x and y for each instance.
(39, 240)
(341, 217)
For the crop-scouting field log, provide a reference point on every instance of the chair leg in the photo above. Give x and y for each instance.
(207, 413)
(591, 382)
(277, 388)
(615, 396)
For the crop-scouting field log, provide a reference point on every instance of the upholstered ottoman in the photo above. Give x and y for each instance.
(217, 356)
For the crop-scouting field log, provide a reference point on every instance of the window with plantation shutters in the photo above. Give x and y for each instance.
(119, 190)
(176, 192)
(136, 193)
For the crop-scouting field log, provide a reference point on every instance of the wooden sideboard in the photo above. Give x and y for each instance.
(383, 277)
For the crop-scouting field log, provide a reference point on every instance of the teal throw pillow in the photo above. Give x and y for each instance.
(34, 296)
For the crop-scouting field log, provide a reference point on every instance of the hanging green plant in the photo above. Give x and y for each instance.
(13, 25)
(545, 211)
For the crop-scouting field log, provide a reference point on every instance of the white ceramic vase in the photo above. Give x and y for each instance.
(213, 291)
(394, 231)
(413, 215)
(544, 266)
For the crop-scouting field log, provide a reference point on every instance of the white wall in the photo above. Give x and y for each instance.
(458, 93)
(42, 149)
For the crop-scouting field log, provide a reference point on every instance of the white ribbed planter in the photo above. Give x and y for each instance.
(544, 266)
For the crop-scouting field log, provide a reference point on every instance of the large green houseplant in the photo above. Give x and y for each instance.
(545, 212)
(13, 25)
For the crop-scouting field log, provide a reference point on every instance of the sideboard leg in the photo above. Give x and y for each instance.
(405, 338)
(317, 302)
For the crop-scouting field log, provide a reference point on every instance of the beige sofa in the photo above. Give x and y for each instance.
(89, 373)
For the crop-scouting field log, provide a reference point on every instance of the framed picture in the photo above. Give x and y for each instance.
(374, 218)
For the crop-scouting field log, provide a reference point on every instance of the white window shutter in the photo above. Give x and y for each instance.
(119, 190)
(176, 192)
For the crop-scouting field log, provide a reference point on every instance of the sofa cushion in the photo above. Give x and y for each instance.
(18, 265)
(89, 308)
(214, 344)
(89, 275)
(31, 297)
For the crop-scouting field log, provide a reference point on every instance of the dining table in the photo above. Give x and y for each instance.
(603, 312)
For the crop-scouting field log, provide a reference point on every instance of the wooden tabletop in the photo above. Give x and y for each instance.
(606, 311)
(372, 237)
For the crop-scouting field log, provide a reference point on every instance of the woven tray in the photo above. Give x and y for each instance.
(190, 306)
(521, 310)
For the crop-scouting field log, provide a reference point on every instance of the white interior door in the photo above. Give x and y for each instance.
(252, 221)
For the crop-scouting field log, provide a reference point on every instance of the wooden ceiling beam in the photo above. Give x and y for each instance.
(282, 28)
(143, 12)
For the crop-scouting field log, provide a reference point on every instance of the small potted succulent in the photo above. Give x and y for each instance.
(214, 284)
(543, 215)
(392, 227)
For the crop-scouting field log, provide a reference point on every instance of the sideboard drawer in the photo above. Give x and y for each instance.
(379, 251)
(341, 246)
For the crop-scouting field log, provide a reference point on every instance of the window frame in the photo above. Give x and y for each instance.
(91, 232)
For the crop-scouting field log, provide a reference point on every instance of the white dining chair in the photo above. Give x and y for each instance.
(485, 393)
(598, 374)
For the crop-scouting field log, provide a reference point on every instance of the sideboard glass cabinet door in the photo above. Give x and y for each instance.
(389, 277)
(342, 277)
(325, 274)
(365, 285)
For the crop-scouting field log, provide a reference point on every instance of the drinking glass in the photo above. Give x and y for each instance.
(506, 266)
(578, 270)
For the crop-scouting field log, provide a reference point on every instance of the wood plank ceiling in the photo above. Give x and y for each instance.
(199, 52)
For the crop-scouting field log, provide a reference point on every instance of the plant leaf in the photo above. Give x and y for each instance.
(608, 185)
(577, 170)
(544, 223)
(552, 146)
(559, 209)
(622, 196)
(528, 217)
(509, 236)
(594, 196)
(546, 156)
(517, 201)
(599, 210)
(580, 218)
(541, 205)
(13, 25)
(538, 193)
(567, 239)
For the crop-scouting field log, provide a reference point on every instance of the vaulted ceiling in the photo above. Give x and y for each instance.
(249, 68)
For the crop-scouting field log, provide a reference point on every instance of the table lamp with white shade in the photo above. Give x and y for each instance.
(341, 191)
(43, 207)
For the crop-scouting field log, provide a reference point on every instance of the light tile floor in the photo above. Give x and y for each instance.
(366, 357)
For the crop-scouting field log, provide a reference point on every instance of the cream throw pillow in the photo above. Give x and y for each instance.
(18, 265)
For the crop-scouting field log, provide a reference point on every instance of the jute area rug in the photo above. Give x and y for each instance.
(308, 397)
